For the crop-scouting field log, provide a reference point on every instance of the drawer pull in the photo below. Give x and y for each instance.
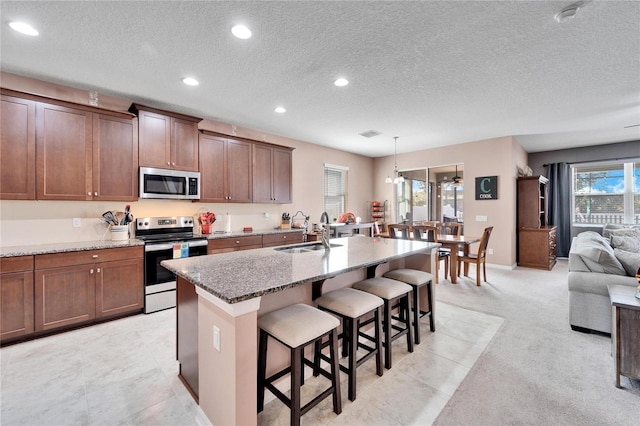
(95, 256)
(237, 242)
(284, 237)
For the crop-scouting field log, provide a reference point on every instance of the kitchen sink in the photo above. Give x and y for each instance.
(305, 248)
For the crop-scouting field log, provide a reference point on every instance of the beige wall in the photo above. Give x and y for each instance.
(31, 222)
(492, 157)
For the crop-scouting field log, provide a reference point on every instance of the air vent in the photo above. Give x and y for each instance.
(370, 133)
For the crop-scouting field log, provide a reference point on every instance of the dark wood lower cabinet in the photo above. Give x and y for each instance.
(119, 287)
(187, 335)
(537, 247)
(51, 292)
(64, 296)
(16, 297)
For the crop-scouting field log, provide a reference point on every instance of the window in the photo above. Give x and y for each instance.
(606, 193)
(335, 190)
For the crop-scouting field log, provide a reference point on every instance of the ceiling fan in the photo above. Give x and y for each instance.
(457, 180)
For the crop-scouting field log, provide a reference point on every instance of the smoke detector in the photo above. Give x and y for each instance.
(568, 13)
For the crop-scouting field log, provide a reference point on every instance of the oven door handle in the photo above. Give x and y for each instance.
(198, 243)
(158, 247)
(169, 246)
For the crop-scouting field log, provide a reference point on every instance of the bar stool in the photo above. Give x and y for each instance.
(296, 327)
(416, 279)
(352, 306)
(391, 291)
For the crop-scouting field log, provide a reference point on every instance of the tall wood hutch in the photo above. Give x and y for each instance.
(536, 238)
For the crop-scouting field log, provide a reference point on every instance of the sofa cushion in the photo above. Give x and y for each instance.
(591, 252)
(626, 243)
(630, 261)
(611, 229)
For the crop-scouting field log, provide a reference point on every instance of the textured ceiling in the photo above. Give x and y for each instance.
(431, 73)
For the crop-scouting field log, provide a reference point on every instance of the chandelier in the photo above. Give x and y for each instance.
(398, 178)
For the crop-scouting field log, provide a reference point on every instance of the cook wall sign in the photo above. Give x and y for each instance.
(487, 188)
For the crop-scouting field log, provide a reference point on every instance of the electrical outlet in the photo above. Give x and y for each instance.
(77, 222)
(266, 215)
(481, 218)
(216, 338)
(490, 251)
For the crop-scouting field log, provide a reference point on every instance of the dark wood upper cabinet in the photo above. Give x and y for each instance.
(271, 174)
(167, 140)
(18, 149)
(64, 139)
(115, 158)
(239, 171)
(56, 150)
(213, 176)
(225, 169)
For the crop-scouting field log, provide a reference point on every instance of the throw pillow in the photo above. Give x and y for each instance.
(630, 261)
(597, 254)
(612, 229)
(625, 243)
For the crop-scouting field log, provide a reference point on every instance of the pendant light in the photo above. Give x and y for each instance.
(398, 178)
(457, 180)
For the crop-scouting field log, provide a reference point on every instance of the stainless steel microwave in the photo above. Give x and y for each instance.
(171, 184)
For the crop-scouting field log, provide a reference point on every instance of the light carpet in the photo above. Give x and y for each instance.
(536, 370)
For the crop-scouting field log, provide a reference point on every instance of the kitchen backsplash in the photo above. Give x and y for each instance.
(46, 222)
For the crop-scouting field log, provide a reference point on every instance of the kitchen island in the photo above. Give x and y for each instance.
(220, 298)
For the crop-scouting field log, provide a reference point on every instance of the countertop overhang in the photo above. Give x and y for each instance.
(238, 276)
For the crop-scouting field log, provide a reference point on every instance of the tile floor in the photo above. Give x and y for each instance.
(124, 373)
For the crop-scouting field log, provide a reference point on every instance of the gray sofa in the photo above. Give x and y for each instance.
(596, 261)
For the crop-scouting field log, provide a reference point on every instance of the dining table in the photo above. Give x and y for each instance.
(454, 242)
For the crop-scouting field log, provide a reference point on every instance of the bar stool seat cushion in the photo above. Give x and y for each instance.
(349, 302)
(410, 276)
(297, 324)
(385, 288)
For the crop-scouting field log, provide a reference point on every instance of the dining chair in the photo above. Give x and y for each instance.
(451, 228)
(428, 233)
(399, 231)
(479, 258)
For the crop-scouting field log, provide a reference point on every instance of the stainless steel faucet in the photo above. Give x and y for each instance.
(324, 220)
(325, 236)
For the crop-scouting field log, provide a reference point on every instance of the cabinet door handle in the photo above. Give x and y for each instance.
(98, 270)
(95, 193)
(91, 271)
(89, 193)
(168, 163)
(173, 164)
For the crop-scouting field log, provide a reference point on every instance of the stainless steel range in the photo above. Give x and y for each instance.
(165, 238)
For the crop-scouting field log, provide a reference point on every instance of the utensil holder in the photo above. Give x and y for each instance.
(119, 232)
(205, 228)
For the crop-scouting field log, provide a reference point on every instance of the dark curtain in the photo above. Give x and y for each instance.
(559, 175)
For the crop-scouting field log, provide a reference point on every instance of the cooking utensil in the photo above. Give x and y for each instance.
(109, 217)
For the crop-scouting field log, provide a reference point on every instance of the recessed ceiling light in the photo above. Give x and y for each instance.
(241, 31)
(23, 28)
(280, 110)
(341, 82)
(190, 81)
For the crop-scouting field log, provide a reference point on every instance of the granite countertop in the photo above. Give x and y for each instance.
(237, 276)
(30, 250)
(33, 249)
(255, 232)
